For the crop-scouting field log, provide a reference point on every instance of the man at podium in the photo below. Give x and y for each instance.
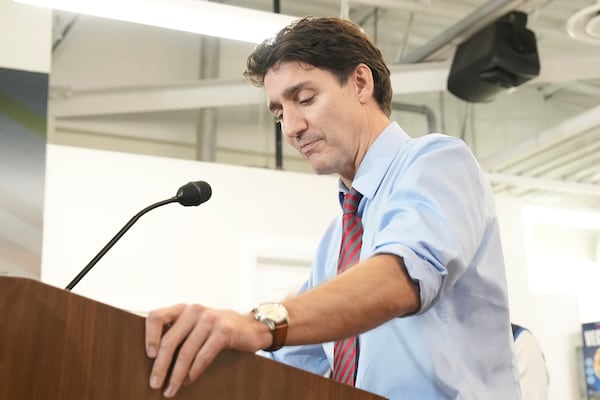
(407, 295)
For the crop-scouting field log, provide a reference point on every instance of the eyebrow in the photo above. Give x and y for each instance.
(288, 94)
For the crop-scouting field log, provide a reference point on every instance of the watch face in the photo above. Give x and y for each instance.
(276, 317)
(272, 311)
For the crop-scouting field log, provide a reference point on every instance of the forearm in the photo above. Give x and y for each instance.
(363, 297)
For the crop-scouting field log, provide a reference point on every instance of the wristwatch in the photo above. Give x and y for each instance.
(275, 316)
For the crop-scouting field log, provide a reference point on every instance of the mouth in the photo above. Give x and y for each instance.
(309, 147)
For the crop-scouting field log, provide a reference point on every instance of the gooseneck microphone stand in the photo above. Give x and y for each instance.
(190, 194)
(114, 240)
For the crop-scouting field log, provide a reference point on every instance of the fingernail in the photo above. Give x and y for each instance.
(154, 382)
(170, 392)
(151, 351)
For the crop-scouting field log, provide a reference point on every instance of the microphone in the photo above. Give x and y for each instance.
(190, 194)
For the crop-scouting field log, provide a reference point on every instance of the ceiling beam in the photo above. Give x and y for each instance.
(406, 78)
(547, 185)
(561, 132)
(65, 103)
(138, 99)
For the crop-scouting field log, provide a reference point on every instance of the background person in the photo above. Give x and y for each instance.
(533, 374)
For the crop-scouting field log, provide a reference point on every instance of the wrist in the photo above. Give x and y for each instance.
(274, 317)
(262, 333)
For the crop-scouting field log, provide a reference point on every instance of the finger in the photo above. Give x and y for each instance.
(167, 349)
(213, 345)
(155, 321)
(193, 345)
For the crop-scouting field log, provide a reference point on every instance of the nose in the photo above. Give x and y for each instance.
(293, 124)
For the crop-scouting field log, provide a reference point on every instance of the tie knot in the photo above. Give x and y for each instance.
(351, 200)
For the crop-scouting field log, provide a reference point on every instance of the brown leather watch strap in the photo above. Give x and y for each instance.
(279, 336)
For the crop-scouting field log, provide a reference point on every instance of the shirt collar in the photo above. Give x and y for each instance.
(376, 162)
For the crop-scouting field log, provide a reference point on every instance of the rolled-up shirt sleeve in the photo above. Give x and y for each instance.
(433, 215)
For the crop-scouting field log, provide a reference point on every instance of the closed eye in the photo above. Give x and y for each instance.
(307, 101)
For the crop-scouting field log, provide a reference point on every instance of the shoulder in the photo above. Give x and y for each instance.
(436, 140)
(443, 148)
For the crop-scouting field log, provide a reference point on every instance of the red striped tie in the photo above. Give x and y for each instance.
(345, 353)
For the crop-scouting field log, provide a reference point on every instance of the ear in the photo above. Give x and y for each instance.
(363, 81)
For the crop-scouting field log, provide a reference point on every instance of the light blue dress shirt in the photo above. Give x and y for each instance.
(427, 201)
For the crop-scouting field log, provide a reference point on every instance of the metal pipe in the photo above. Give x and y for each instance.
(206, 118)
(411, 6)
(426, 111)
(278, 133)
(472, 23)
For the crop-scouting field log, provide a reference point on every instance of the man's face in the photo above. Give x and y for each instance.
(319, 117)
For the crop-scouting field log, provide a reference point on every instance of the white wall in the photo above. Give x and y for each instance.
(254, 223)
(173, 254)
(554, 318)
(25, 37)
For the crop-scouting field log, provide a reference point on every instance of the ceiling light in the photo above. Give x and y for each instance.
(585, 25)
(202, 17)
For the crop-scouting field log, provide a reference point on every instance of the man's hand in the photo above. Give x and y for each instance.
(195, 336)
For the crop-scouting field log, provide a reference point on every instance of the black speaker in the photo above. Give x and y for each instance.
(501, 56)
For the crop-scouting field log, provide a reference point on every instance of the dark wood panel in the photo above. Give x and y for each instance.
(55, 344)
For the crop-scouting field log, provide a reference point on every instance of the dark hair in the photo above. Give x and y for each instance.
(333, 44)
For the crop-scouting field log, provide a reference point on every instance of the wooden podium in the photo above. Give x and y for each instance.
(55, 344)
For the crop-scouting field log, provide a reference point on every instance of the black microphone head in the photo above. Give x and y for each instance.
(193, 193)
